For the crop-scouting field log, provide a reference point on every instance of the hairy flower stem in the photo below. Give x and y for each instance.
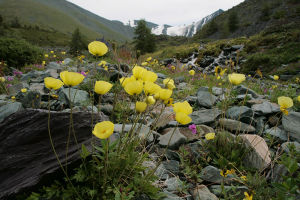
(55, 153)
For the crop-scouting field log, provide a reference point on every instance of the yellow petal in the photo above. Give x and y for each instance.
(236, 79)
(192, 72)
(149, 76)
(103, 129)
(53, 83)
(134, 87)
(71, 78)
(183, 118)
(209, 136)
(97, 48)
(140, 106)
(102, 87)
(150, 100)
(183, 107)
(285, 102)
(165, 94)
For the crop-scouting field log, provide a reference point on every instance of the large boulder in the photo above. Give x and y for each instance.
(291, 124)
(9, 109)
(25, 151)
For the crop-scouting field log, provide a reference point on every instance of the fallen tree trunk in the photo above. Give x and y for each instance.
(26, 154)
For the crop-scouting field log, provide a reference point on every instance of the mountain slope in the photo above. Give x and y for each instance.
(64, 17)
(184, 30)
(252, 17)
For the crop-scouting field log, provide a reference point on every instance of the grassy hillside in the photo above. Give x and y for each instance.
(252, 17)
(64, 17)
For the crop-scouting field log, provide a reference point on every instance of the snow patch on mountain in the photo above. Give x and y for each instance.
(184, 30)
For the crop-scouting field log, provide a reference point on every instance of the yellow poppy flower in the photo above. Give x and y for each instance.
(53, 83)
(102, 63)
(165, 94)
(149, 76)
(102, 87)
(149, 58)
(138, 72)
(192, 72)
(168, 80)
(275, 77)
(247, 196)
(298, 98)
(103, 129)
(236, 79)
(24, 90)
(151, 88)
(170, 86)
(150, 100)
(134, 87)
(13, 98)
(173, 67)
(140, 106)
(105, 68)
(209, 136)
(51, 51)
(63, 52)
(46, 55)
(2, 79)
(97, 48)
(183, 107)
(183, 118)
(44, 63)
(144, 63)
(71, 78)
(54, 56)
(125, 80)
(218, 77)
(244, 178)
(285, 102)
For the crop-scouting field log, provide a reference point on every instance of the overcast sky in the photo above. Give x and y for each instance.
(172, 12)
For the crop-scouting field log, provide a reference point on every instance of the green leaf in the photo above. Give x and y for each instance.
(84, 152)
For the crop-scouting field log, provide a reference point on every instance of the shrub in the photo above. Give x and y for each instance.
(18, 53)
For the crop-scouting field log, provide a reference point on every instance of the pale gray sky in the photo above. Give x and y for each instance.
(172, 12)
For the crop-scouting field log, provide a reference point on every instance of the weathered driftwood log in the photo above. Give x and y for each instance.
(25, 150)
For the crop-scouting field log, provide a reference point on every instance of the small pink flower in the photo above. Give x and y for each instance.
(83, 73)
(10, 78)
(193, 128)
(8, 85)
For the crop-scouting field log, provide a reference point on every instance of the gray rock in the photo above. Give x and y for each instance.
(260, 124)
(35, 76)
(67, 61)
(241, 97)
(14, 89)
(174, 184)
(9, 109)
(206, 116)
(206, 99)
(174, 136)
(260, 157)
(265, 108)
(142, 130)
(285, 146)
(106, 109)
(218, 91)
(278, 172)
(212, 174)
(182, 86)
(243, 90)
(237, 112)
(166, 168)
(201, 192)
(291, 124)
(55, 65)
(277, 132)
(234, 125)
(2, 103)
(171, 196)
(78, 97)
(160, 75)
(191, 99)
(39, 87)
